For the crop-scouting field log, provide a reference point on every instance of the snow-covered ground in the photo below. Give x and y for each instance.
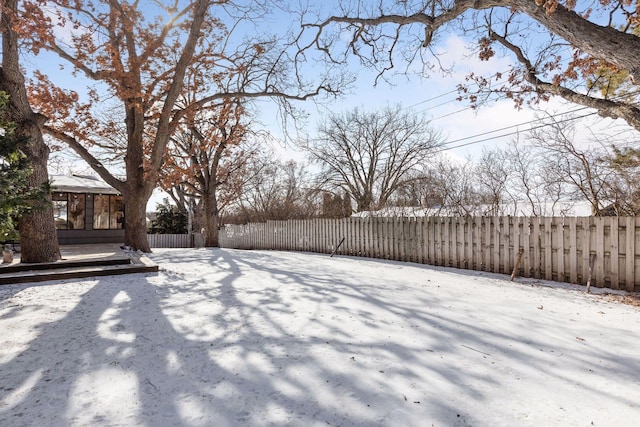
(252, 338)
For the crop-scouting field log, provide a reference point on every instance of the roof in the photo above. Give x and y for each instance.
(81, 184)
(562, 208)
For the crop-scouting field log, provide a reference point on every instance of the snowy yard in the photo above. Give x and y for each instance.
(250, 338)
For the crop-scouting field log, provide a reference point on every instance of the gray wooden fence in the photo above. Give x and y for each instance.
(170, 240)
(552, 248)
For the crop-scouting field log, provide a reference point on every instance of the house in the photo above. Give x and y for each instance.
(86, 210)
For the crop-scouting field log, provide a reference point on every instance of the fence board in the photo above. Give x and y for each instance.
(400, 234)
(382, 226)
(505, 245)
(553, 248)
(169, 240)
(560, 253)
(599, 236)
(514, 243)
(517, 242)
(614, 256)
(495, 249)
(477, 243)
(467, 236)
(444, 242)
(629, 267)
(547, 246)
(438, 231)
(584, 240)
(458, 242)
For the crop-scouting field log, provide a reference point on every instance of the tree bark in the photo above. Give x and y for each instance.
(136, 196)
(212, 220)
(135, 222)
(38, 238)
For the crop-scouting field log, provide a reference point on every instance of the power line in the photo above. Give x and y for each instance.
(450, 114)
(621, 97)
(441, 104)
(631, 94)
(447, 102)
(447, 93)
(508, 134)
(519, 124)
(432, 98)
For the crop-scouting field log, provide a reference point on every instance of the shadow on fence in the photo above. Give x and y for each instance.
(550, 248)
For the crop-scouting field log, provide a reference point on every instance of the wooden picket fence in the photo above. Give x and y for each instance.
(170, 240)
(563, 249)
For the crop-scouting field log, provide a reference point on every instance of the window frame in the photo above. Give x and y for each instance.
(114, 218)
(62, 217)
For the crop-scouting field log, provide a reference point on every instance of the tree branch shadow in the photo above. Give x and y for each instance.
(263, 339)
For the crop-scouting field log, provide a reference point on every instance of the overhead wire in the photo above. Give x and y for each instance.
(628, 95)
(447, 148)
(432, 98)
(520, 124)
(445, 94)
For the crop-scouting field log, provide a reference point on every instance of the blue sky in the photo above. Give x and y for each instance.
(434, 96)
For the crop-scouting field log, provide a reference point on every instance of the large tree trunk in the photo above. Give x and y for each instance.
(364, 202)
(135, 223)
(212, 220)
(139, 184)
(135, 215)
(38, 239)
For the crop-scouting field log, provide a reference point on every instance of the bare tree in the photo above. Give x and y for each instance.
(578, 166)
(416, 191)
(521, 180)
(525, 186)
(444, 187)
(623, 186)
(336, 205)
(369, 154)
(276, 190)
(492, 174)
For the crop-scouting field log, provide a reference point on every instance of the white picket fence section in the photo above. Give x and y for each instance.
(574, 250)
(170, 240)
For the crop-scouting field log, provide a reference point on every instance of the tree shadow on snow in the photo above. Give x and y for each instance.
(269, 340)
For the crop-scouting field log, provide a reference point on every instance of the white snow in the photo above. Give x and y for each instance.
(254, 338)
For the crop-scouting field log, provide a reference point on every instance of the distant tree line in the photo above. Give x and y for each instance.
(179, 78)
(374, 162)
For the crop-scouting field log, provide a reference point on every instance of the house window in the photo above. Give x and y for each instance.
(108, 212)
(69, 211)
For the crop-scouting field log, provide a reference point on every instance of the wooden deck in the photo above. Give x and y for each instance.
(78, 261)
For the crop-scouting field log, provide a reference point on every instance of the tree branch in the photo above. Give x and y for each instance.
(95, 164)
(605, 107)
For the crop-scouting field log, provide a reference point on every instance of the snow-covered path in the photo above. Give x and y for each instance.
(233, 338)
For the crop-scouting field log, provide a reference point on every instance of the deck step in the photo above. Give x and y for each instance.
(75, 269)
(15, 268)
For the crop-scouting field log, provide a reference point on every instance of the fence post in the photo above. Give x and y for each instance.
(552, 247)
